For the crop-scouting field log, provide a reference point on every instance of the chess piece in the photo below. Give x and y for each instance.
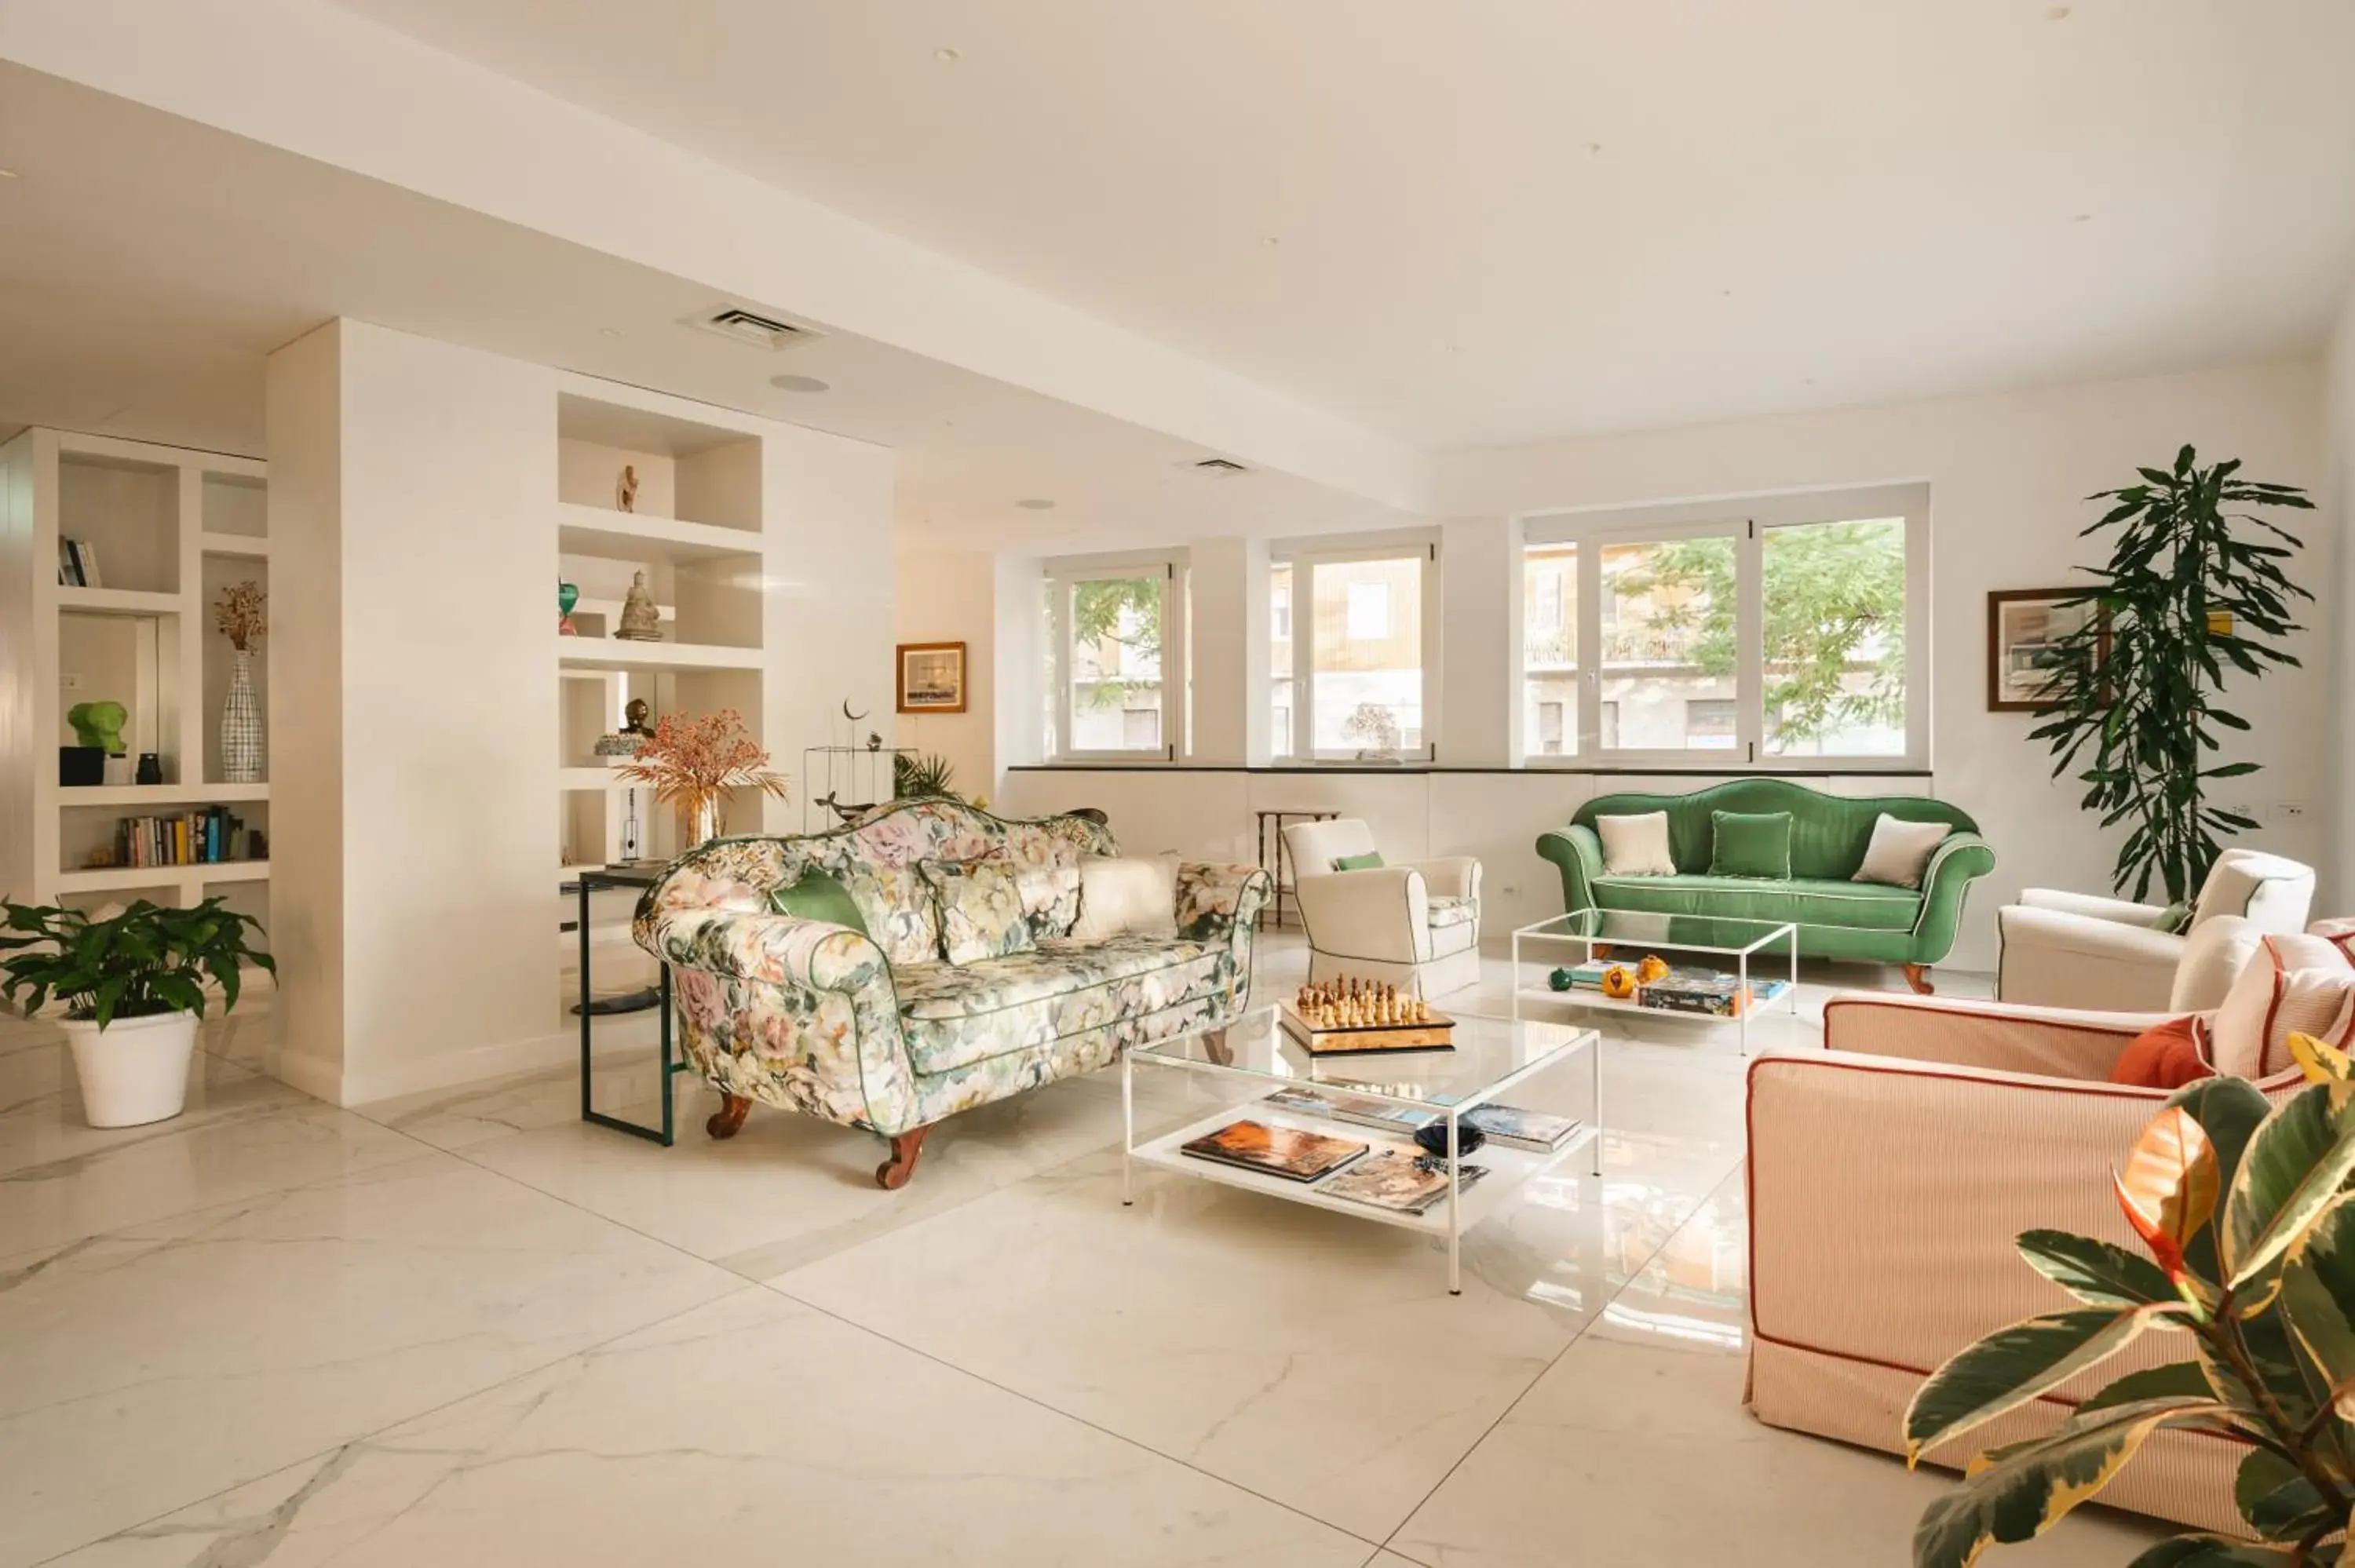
(625, 491)
(641, 621)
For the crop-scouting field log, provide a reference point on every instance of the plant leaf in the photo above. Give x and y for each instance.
(2168, 1187)
(2275, 1496)
(2095, 1271)
(2214, 1552)
(2013, 1365)
(2319, 1299)
(2179, 1379)
(2300, 1157)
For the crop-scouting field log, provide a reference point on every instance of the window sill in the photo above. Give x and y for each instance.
(1741, 770)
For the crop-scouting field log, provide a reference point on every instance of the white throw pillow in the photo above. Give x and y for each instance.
(2339, 931)
(2293, 985)
(1635, 846)
(1118, 896)
(2213, 957)
(1900, 851)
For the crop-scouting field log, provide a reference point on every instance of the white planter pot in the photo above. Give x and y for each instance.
(134, 1071)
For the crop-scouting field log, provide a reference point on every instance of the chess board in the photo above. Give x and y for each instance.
(1437, 1033)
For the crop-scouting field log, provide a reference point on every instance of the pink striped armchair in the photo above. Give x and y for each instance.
(1888, 1176)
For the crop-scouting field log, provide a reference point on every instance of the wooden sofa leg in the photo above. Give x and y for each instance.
(1918, 976)
(730, 1117)
(906, 1149)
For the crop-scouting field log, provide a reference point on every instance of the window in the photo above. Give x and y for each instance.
(1789, 629)
(1349, 677)
(1111, 665)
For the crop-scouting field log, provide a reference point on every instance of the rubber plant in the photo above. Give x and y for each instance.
(148, 959)
(2187, 596)
(2247, 1213)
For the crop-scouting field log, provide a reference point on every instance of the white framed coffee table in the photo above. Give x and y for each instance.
(1746, 948)
(1493, 1058)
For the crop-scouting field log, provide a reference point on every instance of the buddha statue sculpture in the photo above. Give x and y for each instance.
(641, 621)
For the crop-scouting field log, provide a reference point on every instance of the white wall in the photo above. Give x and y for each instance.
(2339, 412)
(950, 595)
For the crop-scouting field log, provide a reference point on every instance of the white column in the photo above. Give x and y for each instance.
(1480, 635)
(1230, 651)
(1018, 666)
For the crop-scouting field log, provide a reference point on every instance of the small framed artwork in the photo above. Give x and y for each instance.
(2026, 627)
(932, 677)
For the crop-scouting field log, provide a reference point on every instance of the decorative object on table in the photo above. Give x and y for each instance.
(2131, 697)
(134, 990)
(1618, 982)
(2242, 1205)
(1652, 967)
(240, 615)
(916, 776)
(691, 763)
(1395, 1180)
(567, 595)
(1364, 1110)
(1869, 923)
(1706, 992)
(78, 564)
(151, 766)
(1433, 1139)
(931, 678)
(2030, 632)
(1560, 978)
(625, 488)
(641, 621)
(1347, 1015)
(853, 778)
(1285, 1151)
(1374, 729)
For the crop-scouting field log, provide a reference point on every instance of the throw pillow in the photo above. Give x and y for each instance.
(1900, 852)
(1635, 846)
(818, 896)
(2173, 918)
(1369, 860)
(1121, 895)
(2164, 1056)
(2214, 956)
(2300, 985)
(902, 916)
(980, 904)
(2340, 932)
(1751, 843)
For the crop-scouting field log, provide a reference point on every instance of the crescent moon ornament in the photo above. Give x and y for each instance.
(848, 713)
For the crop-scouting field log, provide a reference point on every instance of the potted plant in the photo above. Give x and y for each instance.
(2247, 1211)
(2132, 692)
(134, 990)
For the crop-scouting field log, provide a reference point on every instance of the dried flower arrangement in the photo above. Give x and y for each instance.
(693, 763)
(239, 615)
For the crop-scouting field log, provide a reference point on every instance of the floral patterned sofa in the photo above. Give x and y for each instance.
(879, 1031)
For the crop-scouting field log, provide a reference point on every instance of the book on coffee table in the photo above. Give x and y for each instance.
(1285, 1151)
(1363, 1109)
(1394, 1179)
(1536, 1131)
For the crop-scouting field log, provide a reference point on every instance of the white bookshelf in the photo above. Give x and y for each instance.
(170, 527)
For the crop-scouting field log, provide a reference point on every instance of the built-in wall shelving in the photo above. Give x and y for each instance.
(169, 527)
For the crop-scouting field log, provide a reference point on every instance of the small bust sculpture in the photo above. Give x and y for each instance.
(641, 622)
(634, 715)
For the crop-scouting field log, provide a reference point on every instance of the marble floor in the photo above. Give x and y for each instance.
(464, 1328)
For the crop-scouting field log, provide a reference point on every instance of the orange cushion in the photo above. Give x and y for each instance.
(2166, 1056)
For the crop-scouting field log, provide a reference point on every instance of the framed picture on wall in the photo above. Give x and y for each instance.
(2026, 628)
(932, 677)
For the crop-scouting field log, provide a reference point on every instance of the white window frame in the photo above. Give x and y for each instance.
(1304, 556)
(1746, 522)
(1061, 576)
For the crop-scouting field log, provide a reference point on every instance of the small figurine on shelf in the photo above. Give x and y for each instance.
(641, 621)
(625, 492)
(567, 595)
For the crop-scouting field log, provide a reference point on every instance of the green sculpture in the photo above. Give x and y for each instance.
(100, 725)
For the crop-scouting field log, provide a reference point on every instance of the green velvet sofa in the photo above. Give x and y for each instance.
(1837, 918)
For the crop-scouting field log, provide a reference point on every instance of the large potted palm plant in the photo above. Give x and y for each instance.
(134, 987)
(2133, 697)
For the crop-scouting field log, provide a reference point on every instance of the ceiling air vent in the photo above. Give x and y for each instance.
(741, 325)
(1219, 466)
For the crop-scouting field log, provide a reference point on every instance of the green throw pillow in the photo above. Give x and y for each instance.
(818, 896)
(1369, 860)
(2174, 918)
(1750, 844)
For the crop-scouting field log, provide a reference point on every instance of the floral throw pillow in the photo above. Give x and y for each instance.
(980, 904)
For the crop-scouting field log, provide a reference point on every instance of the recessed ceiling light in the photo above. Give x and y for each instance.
(1036, 504)
(2083, 217)
(1594, 147)
(2057, 14)
(1270, 242)
(609, 332)
(7, 173)
(946, 55)
(797, 384)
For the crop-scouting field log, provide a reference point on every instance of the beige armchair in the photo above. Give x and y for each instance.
(1888, 1177)
(1415, 925)
(2078, 950)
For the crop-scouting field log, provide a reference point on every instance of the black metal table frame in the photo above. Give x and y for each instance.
(665, 1135)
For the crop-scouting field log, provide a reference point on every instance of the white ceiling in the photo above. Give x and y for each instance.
(1519, 219)
(148, 265)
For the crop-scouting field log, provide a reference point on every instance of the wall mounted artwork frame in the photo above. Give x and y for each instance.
(2024, 628)
(931, 678)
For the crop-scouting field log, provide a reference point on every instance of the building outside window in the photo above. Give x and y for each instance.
(1549, 650)
(1350, 677)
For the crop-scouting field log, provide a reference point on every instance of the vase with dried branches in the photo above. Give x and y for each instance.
(692, 764)
(240, 615)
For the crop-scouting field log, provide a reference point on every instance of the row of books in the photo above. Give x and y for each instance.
(78, 564)
(209, 837)
(1510, 1126)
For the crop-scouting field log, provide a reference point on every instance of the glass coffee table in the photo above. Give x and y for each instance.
(1521, 1064)
(1756, 955)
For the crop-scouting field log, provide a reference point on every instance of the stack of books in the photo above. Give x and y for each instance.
(194, 838)
(1708, 991)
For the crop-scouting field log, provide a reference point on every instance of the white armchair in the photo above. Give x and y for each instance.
(2077, 949)
(1416, 926)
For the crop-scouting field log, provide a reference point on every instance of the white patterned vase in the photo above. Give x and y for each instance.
(240, 731)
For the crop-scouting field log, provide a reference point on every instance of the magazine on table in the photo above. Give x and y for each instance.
(1285, 1151)
(1539, 1132)
(1362, 1109)
(1394, 1179)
